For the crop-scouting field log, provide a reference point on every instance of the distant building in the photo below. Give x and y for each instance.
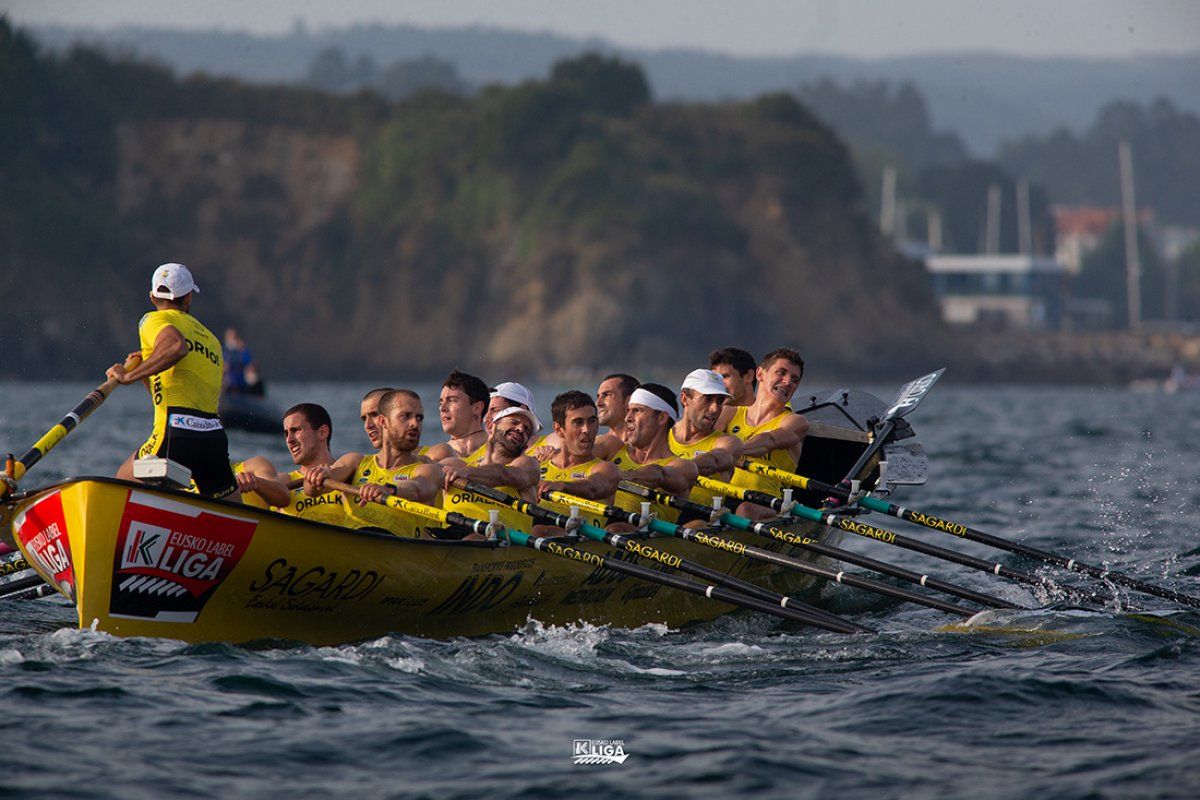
(999, 291)
(1078, 230)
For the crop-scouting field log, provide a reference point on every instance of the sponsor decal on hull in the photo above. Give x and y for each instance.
(172, 556)
(42, 531)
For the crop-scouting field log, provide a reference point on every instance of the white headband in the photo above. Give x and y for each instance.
(642, 397)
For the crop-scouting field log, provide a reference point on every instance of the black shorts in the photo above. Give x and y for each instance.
(204, 452)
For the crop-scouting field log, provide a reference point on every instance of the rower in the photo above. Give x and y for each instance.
(461, 407)
(612, 402)
(575, 467)
(395, 470)
(307, 431)
(696, 436)
(501, 464)
(368, 412)
(646, 457)
(181, 367)
(736, 368)
(509, 394)
(769, 430)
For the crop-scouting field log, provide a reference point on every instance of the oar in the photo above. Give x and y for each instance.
(810, 615)
(974, 535)
(910, 396)
(521, 538)
(809, 543)
(718, 542)
(17, 468)
(850, 525)
(17, 577)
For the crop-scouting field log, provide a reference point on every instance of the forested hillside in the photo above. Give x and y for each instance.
(565, 222)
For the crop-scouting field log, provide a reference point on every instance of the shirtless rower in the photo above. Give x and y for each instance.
(612, 402)
(736, 368)
(575, 468)
(501, 464)
(646, 457)
(461, 406)
(769, 430)
(696, 436)
(395, 470)
(181, 368)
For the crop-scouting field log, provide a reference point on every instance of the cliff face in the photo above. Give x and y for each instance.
(558, 224)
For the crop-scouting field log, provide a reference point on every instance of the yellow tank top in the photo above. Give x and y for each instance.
(478, 457)
(552, 472)
(690, 451)
(739, 427)
(195, 382)
(623, 461)
(378, 515)
(326, 508)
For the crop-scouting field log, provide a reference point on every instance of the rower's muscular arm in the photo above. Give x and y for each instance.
(341, 470)
(521, 473)
(600, 484)
(422, 486)
(169, 349)
(676, 476)
(725, 453)
(788, 435)
(259, 475)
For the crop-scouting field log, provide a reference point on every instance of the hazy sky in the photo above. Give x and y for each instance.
(862, 28)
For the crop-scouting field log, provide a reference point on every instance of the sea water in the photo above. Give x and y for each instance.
(1054, 701)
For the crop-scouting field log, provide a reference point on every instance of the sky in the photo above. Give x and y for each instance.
(854, 28)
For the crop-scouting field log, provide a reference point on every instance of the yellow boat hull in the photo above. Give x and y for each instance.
(140, 561)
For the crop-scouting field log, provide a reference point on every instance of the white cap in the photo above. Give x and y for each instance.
(171, 282)
(516, 393)
(705, 381)
(508, 412)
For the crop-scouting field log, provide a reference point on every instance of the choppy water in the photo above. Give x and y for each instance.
(1055, 702)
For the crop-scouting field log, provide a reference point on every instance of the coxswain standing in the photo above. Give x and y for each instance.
(182, 368)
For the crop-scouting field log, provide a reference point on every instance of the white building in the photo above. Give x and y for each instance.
(999, 291)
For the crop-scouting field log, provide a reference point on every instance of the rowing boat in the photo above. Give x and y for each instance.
(143, 561)
(139, 560)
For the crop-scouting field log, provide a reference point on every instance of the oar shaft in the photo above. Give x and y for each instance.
(972, 534)
(794, 610)
(423, 510)
(645, 550)
(813, 516)
(68, 423)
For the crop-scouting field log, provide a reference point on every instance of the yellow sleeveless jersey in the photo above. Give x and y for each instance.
(623, 461)
(690, 451)
(552, 472)
(195, 382)
(326, 508)
(739, 427)
(378, 515)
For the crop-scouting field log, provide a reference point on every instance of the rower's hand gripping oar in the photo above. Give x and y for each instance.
(808, 543)
(639, 547)
(974, 535)
(733, 590)
(15, 469)
(717, 542)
